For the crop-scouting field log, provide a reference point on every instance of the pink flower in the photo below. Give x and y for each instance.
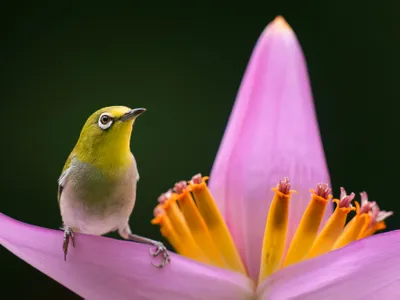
(255, 241)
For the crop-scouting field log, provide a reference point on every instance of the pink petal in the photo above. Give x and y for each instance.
(104, 268)
(272, 133)
(366, 269)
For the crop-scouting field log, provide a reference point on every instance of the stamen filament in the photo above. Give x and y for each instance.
(216, 225)
(169, 233)
(199, 229)
(372, 229)
(354, 229)
(331, 231)
(308, 227)
(275, 232)
(182, 230)
(376, 221)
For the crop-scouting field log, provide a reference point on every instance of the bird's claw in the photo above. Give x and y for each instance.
(68, 234)
(160, 249)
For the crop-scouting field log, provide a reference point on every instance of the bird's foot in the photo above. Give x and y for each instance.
(160, 249)
(68, 234)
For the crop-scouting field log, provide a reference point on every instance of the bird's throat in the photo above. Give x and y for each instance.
(109, 154)
(110, 159)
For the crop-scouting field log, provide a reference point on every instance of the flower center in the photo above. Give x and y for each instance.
(190, 220)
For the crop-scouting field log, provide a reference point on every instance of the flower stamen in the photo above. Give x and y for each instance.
(358, 224)
(166, 228)
(200, 229)
(308, 228)
(366, 206)
(275, 230)
(334, 226)
(177, 221)
(197, 225)
(216, 225)
(190, 219)
(377, 222)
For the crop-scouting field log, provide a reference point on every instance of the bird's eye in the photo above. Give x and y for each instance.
(105, 121)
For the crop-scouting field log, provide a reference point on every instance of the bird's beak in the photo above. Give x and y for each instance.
(133, 113)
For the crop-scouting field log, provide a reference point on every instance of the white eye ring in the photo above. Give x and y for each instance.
(105, 121)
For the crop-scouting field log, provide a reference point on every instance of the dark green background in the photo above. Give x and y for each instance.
(60, 63)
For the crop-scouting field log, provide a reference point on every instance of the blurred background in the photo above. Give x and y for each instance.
(62, 62)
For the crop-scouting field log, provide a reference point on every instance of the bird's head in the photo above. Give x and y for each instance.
(105, 137)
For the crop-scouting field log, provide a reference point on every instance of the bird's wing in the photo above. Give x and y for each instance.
(137, 175)
(62, 180)
(135, 169)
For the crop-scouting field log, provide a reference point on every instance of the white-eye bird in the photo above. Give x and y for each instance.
(97, 187)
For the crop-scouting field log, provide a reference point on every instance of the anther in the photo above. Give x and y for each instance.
(197, 179)
(366, 206)
(180, 187)
(345, 200)
(284, 186)
(164, 197)
(158, 211)
(382, 215)
(378, 215)
(323, 190)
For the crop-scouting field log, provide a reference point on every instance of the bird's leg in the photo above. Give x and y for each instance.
(68, 234)
(160, 248)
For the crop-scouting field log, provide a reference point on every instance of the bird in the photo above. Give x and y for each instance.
(97, 186)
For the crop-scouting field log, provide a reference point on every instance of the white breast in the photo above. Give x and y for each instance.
(91, 204)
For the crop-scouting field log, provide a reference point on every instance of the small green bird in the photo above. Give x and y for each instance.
(97, 187)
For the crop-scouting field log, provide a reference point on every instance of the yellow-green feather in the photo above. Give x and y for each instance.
(107, 150)
(66, 166)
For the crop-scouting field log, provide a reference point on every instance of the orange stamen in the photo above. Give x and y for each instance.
(216, 225)
(182, 230)
(275, 234)
(372, 229)
(331, 231)
(307, 230)
(354, 229)
(169, 233)
(198, 228)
